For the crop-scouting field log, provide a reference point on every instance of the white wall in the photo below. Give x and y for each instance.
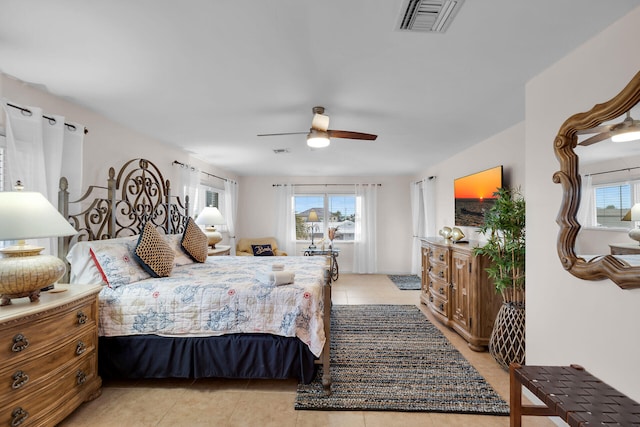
(592, 323)
(505, 148)
(108, 144)
(256, 216)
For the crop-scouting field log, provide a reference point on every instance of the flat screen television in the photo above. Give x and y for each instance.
(474, 196)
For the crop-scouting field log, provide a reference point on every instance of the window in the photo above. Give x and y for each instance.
(212, 197)
(2, 168)
(340, 212)
(613, 201)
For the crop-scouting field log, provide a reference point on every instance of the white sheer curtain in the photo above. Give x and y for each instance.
(40, 150)
(365, 259)
(587, 210)
(422, 215)
(189, 185)
(231, 211)
(285, 224)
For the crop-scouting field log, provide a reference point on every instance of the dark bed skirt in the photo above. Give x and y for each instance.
(227, 356)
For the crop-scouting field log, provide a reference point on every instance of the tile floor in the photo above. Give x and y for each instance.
(214, 402)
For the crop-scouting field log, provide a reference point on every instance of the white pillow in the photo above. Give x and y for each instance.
(175, 241)
(83, 267)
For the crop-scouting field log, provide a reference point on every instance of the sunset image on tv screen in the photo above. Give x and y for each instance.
(474, 196)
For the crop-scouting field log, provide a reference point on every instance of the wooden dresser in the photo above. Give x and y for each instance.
(48, 356)
(458, 291)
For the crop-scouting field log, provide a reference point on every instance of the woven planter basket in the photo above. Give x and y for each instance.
(506, 344)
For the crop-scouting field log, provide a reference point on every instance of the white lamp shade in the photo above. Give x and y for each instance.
(630, 135)
(210, 216)
(635, 212)
(318, 139)
(313, 216)
(29, 215)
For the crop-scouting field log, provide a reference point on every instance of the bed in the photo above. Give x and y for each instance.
(208, 317)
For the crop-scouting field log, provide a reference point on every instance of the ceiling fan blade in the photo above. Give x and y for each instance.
(285, 133)
(597, 129)
(597, 138)
(351, 135)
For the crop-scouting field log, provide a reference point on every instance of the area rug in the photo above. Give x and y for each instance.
(391, 358)
(406, 282)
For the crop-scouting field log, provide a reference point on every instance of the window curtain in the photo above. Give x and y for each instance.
(587, 209)
(231, 210)
(364, 247)
(189, 185)
(39, 151)
(285, 223)
(422, 215)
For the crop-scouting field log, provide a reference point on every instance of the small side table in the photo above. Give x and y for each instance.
(625, 248)
(332, 254)
(220, 250)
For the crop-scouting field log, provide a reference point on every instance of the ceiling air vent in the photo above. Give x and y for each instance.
(429, 16)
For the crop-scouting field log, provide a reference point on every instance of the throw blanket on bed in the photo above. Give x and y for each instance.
(221, 296)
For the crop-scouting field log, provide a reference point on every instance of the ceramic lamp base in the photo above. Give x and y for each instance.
(23, 273)
(213, 236)
(635, 234)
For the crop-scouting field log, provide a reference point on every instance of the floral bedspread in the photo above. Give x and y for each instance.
(221, 296)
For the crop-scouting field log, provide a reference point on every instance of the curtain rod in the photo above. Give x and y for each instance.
(321, 185)
(175, 162)
(52, 120)
(429, 178)
(616, 170)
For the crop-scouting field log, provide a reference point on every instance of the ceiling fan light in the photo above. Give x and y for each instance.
(630, 135)
(318, 139)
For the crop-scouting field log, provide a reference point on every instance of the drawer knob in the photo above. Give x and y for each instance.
(441, 290)
(18, 416)
(81, 348)
(20, 342)
(441, 274)
(82, 318)
(441, 306)
(81, 377)
(20, 378)
(441, 257)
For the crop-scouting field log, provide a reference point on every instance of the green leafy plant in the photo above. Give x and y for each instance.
(504, 228)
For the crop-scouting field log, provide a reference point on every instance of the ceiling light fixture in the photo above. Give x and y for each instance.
(629, 135)
(318, 139)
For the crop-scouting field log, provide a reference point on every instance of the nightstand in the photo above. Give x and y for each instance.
(220, 250)
(625, 248)
(49, 355)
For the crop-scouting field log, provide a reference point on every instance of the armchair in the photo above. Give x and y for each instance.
(243, 247)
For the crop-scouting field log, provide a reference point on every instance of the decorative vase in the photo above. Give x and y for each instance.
(506, 343)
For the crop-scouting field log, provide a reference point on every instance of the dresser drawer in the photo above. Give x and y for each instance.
(438, 304)
(30, 338)
(29, 375)
(438, 272)
(29, 409)
(438, 254)
(439, 287)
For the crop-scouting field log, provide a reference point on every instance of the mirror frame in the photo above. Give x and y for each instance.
(604, 266)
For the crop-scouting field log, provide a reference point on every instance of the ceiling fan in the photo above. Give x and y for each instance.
(626, 130)
(319, 134)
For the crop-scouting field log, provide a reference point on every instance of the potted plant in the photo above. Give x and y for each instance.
(504, 228)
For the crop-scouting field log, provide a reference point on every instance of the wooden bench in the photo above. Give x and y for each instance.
(571, 393)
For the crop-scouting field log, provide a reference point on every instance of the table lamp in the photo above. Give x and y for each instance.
(210, 217)
(633, 215)
(23, 272)
(312, 218)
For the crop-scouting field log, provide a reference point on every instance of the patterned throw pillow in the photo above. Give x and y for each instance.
(194, 242)
(262, 250)
(116, 264)
(153, 253)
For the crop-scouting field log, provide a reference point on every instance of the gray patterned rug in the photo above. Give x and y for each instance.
(405, 282)
(391, 358)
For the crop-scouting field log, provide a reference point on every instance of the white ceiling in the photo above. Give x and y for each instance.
(209, 75)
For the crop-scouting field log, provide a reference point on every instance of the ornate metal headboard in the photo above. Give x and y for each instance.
(137, 195)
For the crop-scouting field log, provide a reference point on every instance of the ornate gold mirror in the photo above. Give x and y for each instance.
(590, 129)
